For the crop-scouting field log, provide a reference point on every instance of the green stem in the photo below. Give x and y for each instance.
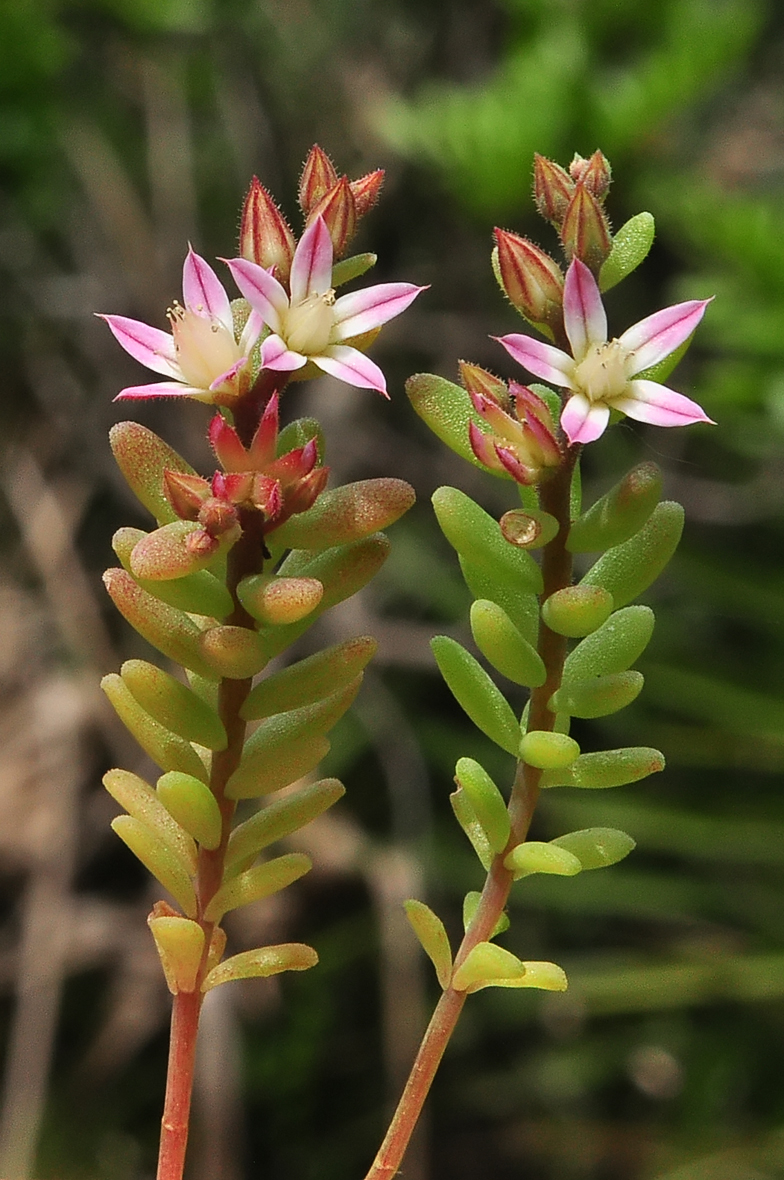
(556, 574)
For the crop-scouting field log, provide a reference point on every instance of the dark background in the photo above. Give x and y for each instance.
(128, 127)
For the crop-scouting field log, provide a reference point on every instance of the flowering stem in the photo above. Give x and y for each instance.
(246, 558)
(556, 574)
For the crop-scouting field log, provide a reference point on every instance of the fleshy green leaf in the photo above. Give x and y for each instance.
(596, 848)
(310, 680)
(267, 960)
(629, 569)
(619, 513)
(536, 857)
(503, 646)
(447, 409)
(486, 801)
(173, 704)
(476, 693)
(576, 611)
(630, 247)
(346, 514)
(614, 647)
(430, 931)
(166, 749)
(280, 818)
(598, 697)
(193, 806)
(159, 859)
(477, 536)
(607, 768)
(256, 883)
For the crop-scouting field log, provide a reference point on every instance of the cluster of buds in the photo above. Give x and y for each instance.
(521, 439)
(573, 201)
(532, 281)
(267, 239)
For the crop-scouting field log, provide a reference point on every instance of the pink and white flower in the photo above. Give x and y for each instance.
(311, 324)
(602, 375)
(202, 355)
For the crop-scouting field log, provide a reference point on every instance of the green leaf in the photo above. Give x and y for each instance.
(298, 434)
(522, 609)
(159, 859)
(476, 693)
(471, 905)
(576, 611)
(486, 801)
(598, 697)
(614, 647)
(280, 818)
(138, 798)
(173, 704)
(309, 680)
(596, 848)
(535, 857)
(619, 513)
(467, 818)
(142, 458)
(548, 750)
(261, 963)
(487, 965)
(607, 768)
(630, 247)
(629, 569)
(447, 409)
(166, 749)
(503, 646)
(257, 883)
(192, 804)
(430, 931)
(352, 268)
(477, 536)
(346, 514)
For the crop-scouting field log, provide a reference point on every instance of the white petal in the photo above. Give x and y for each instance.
(154, 348)
(583, 421)
(203, 291)
(585, 319)
(311, 267)
(543, 360)
(659, 406)
(275, 354)
(352, 366)
(361, 311)
(263, 292)
(658, 335)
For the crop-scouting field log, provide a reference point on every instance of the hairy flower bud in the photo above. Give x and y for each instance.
(479, 381)
(339, 212)
(553, 188)
(533, 282)
(594, 173)
(585, 232)
(318, 177)
(217, 517)
(265, 237)
(186, 493)
(366, 189)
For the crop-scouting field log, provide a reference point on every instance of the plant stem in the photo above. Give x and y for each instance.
(246, 557)
(556, 574)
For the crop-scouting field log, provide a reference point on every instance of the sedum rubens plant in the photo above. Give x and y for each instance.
(237, 568)
(572, 644)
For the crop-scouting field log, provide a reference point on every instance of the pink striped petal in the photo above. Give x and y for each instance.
(275, 354)
(151, 346)
(655, 337)
(543, 360)
(263, 292)
(161, 389)
(352, 366)
(483, 447)
(516, 468)
(659, 406)
(361, 311)
(585, 319)
(311, 267)
(583, 421)
(203, 291)
(229, 374)
(251, 331)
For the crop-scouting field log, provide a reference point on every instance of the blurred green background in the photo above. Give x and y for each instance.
(128, 127)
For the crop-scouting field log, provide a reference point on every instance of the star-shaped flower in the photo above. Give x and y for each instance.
(310, 324)
(602, 375)
(202, 355)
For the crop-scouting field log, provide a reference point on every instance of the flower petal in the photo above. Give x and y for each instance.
(263, 292)
(229, 374)
(659, 406)
(655, 337)
(251, 331)
(275, 354)
(543, 360)
(161, 389)
(361, 311)
(203, 291)
(585, 319)
(583, 421)
(352, 366)
(311, 267)
(151, 346)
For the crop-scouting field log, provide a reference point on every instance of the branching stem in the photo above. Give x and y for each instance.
(556, 574)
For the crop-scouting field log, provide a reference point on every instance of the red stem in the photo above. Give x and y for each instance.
(247, 557)
(556, 574)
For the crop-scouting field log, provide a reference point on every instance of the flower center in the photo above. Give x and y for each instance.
(602, 374)
(308, 325)
(205, 348)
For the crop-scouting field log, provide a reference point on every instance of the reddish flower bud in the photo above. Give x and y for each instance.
(366, 189)
(595, 173)
(478, 381)
(305, 493)
(217, 516)
(585, 232)
(553, 188)
(531, 279)
(234, 488)
(262, 448)
(226, 444)
(201, 544)
(339, 213)
(295, 465)
(318, 177)
(265, 237)
(185, 493)
(530, 405)
(267, 496)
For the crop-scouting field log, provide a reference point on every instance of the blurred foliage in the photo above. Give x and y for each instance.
(128, 125)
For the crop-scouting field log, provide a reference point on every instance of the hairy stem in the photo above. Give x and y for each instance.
(556, 574)
(246, 558)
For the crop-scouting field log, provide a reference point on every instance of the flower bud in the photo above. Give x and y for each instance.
(533, 282)
(267, 496)
(318, 177)
(479, 381)
(365, 191)
(553, 188)
(585, 232)
(217, 517)
(339, 212)
(595, 173)
(186, 493)
(265, 237)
